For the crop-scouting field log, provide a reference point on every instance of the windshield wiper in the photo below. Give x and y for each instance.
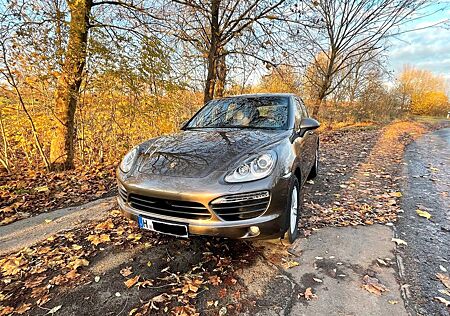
(236, 126)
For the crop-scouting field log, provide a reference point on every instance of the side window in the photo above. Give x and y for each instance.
(298, 113)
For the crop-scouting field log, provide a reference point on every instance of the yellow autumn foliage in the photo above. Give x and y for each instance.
(429, 103)
(424, 91)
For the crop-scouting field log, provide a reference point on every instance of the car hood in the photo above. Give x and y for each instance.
(197, 153)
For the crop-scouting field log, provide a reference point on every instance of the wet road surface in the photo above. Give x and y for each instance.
(426, 187)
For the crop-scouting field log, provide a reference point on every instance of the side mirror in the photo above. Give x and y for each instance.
(307, 124)
(183, 125)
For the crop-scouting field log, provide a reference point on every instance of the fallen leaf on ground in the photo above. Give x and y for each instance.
(222, 292)
(12, 265)
(373, 285)
(290, 264)
(130, 282)
(6, 310)
(134, 237)
(423, 214)
(23, 308)
(382, 262)
(444, 292)
(76, 247)
(445, 279)
(42, 189)
(108, 224)
(309, 295)
(215, 280)
(399, 241)
(54, 309)
(160, 298)
(396, 194)
(317, 280)
(191, 286)
(442, 300)
(72, 274)
(145, 283)
(78, 262)
(126, 271)
(96, 239)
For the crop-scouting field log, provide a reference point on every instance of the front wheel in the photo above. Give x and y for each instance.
(293, 210)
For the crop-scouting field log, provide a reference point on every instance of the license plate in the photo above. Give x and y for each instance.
(178, 230)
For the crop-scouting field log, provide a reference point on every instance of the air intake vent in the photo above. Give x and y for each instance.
(241, 206)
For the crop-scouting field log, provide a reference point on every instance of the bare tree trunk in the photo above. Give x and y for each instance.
(221, 75)
(212, 53)
(318, 103)
(4, 161)
(62, 145)
(316, 108)
(326, 82)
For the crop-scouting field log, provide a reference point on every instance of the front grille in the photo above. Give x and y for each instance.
(241, 206)
(181, 209)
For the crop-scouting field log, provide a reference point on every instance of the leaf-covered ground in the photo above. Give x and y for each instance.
(112, 268)
(32, 192)
(155, 273)
(360, 176)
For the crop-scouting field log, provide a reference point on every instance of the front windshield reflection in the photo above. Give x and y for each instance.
(269, 112)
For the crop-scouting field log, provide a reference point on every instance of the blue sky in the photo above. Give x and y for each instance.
(428, 48)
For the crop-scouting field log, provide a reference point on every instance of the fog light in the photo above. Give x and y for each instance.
(254, 230)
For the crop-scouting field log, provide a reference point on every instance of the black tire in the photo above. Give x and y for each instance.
(315, 168)
(291, 235)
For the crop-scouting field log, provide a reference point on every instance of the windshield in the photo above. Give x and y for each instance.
(269, 112)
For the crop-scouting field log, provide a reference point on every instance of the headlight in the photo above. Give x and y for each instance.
(254, 168)
(129, 160)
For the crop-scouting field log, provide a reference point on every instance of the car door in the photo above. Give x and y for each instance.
(300, 143)
(311, 139)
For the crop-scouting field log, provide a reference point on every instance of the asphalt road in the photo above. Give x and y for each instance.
(31, 230)
(426, 187)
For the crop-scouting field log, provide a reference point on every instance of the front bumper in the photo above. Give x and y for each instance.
(271, 223)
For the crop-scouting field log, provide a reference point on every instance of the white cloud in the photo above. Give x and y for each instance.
(427, 49)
